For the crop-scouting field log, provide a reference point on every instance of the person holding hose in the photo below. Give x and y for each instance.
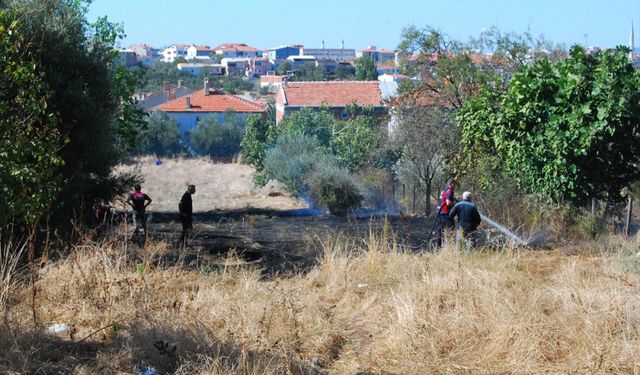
(468, 219)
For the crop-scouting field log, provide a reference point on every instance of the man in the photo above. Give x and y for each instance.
(139, 202)
(468, 219)
(447, 201)
(186, 212)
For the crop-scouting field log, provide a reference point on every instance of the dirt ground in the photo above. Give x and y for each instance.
(219, 186)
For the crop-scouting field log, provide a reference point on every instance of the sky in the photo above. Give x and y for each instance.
(360, 23)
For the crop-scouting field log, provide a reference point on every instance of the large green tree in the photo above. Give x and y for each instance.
(29, 134)
(568, 130)
(81, 92)
(366, 69)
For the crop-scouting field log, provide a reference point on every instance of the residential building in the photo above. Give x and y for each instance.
(236, 50)
(127, 58)
(378, 56)
(235, 66)
(146, 54)
(332, 95)
(198, 67)
(338, 54)
(259, 67)
(174, 52)
(199, 53)
(208, 103)
(282, 52)
(148, 102)
(271, 81)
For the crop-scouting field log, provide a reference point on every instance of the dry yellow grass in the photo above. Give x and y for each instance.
(220, 186)
(366, 308)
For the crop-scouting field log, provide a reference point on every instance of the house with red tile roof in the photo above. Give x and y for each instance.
(377, 55)
(207, 103)
(233, 50)
(332, 95)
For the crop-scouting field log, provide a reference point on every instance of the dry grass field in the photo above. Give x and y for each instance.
(365, 306)
(220, 186)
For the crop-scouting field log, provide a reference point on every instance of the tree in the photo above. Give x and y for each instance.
(259, 134)
(354, 140)
(345, 72)
(312, 123)
(284, 68)
(451, 73)
(216, 139)
(567, 130)
(161, 137)
(366, 69)
(87, 95)
(29, 134)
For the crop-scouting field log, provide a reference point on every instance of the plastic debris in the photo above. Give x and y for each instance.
(145, 370)
(58, 328)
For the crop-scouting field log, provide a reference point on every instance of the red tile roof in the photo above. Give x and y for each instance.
(236, 47)
(332, 93)
(214, 102)
(203, 48)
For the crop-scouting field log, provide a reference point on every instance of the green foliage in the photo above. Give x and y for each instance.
(234, 85)
(29, 134)
(69, 66)
(308, 72)
(346, 72)
(354, 140)
(334, 187)
(366, 69)
(284, 68)
(258, 135)
(298, 161)
(311, 123)
(216, 139)
(161, 137)
(292, 158)
(566, 130)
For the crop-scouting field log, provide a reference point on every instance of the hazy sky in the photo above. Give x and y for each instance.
(270, 23)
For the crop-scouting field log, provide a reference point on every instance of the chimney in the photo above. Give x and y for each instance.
(206, 86)
(179, 83)
(188, 102)
(165, 86)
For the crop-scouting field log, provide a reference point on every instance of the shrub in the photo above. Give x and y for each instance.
(293, 157)
(161, 137)
(334, 187)
(215, 139)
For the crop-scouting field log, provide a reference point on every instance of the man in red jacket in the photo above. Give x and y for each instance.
(446, 224)
(139, 202)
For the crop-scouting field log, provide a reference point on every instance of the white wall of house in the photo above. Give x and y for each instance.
(171, 53)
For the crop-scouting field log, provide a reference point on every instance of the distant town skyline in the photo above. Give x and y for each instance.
(360, 23)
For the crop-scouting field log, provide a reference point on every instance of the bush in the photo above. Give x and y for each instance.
(334, 187)
(212, 138)
(292, 159)
(162, 136)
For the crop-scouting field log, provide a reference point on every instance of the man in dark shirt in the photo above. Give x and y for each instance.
(139, 202)
(186, 212)
(468, 219)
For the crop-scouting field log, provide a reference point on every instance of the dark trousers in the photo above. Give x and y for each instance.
(446, 226)
(187, 226)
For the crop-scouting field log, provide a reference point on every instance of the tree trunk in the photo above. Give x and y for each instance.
(427, 197)
(593, 207)
(627, 223)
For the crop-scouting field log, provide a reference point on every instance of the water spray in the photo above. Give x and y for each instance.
(505, 231)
